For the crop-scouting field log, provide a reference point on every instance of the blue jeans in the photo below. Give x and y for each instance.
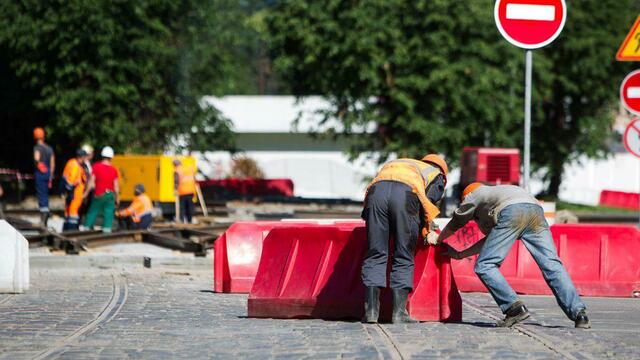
(42, 190)
(525, 222)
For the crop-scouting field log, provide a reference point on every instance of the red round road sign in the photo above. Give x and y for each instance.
(530, 24)
(630, 92)
(632, 137)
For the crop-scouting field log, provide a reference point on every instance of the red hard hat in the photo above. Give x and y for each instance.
(38, 133)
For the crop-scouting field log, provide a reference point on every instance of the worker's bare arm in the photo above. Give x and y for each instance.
(460, 218)
(116, 189)
(90, 186)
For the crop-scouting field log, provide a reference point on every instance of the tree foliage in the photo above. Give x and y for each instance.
(126, 73)
(435, 75)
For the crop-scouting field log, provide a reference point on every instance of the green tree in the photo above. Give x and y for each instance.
(435, 75)
(126, 73)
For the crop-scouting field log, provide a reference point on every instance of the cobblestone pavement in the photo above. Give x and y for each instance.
(90, 310)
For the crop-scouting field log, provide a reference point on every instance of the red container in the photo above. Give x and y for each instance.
(237, 253)
(602, 260)
(314, 272)
(233, 188)
(620, 199)
(490, 166)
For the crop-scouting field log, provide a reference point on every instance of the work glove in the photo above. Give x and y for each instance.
(431, 238)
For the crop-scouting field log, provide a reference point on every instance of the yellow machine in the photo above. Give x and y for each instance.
(155, 172)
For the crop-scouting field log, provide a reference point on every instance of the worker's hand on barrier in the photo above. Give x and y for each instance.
(449, 251)
(431, 238)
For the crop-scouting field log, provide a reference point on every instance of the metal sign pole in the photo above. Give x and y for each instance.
(527, 118)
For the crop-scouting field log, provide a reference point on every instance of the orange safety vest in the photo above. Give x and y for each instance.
(417, 174)
(186, 179)
(74, 173)
(140, 206)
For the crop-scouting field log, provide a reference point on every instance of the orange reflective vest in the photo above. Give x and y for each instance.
(74, 173)
(186, 179)
(140, 206)
(417, 175)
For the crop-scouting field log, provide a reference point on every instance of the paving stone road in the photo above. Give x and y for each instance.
(83, 309)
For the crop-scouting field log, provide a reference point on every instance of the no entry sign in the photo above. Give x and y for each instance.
(630, 92)
(632, 137)
(530, 24)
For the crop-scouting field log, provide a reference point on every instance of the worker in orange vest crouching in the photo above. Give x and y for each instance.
(73, 184)
(139, 214)
(184, 179)
(400, 203)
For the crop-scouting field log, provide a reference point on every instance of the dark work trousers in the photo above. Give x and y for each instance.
(186, 208)
(42, 190)
(391, 209)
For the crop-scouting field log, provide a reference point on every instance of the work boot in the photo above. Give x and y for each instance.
(44, 218)
(372, 305)
(582, 320)
(516, 313)
(400, 314)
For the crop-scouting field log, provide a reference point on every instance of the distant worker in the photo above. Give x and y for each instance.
(45, 162)
(86, 165)
(184, 179)
(105, 182)
(504, 214)
(73, 183)
(140, 212)
(400, 203)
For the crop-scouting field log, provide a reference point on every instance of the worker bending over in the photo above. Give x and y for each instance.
(73, 184)
(45, 162)
(399, 203)
(505, 213)
(106, 195)
(184, 179)
(140, 213)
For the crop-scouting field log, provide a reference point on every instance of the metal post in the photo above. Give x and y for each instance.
(527, 118)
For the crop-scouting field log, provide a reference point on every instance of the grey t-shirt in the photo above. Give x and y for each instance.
(45, 154)
(485, 203)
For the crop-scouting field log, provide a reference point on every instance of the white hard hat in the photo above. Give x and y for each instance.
(87, 148)
(107, 152)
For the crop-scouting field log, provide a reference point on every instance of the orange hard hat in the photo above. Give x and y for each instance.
(470, 188)
(437, 161)
(38, 133)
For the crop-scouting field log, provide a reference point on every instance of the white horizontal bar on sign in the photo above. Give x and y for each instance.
(633, 92)
(531, 12)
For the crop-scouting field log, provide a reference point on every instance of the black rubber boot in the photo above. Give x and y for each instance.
(372, 305)
(582, 320)
(515, 314)
(400, 314)
(44, 218)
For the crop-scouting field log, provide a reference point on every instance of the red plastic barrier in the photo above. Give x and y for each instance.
(314, 272)
(233, 187)
(237, 253)
(602, 260)
(620, 199)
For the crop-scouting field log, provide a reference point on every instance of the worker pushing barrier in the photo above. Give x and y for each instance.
(399, 203)
(73, 183)
(505, 213)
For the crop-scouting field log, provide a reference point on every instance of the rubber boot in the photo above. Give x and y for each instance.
(400, 314)
(372, 305)
(44, 218)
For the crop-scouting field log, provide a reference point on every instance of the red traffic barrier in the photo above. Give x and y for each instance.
(314, 272)
(601, 260)
(620, 199)
(237, 253)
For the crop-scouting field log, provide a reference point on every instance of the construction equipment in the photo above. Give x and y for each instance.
(155, 172)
